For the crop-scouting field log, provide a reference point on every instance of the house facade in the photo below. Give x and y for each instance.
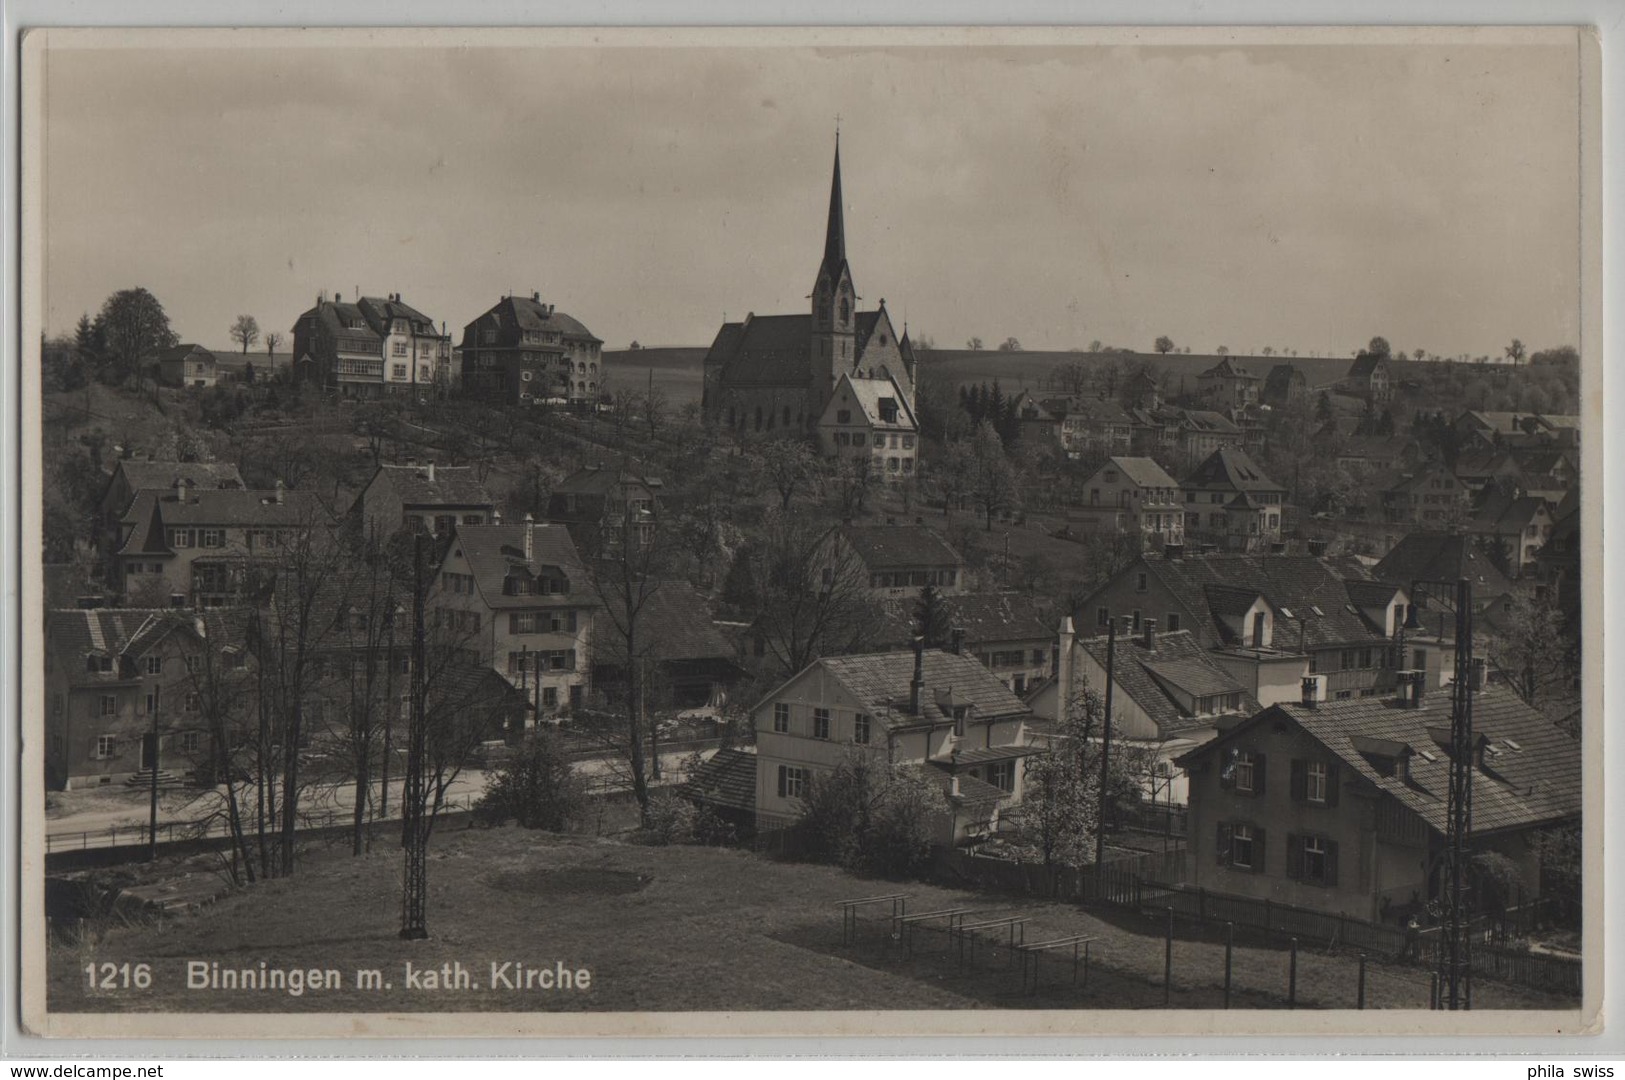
(518, 599)
(942, 712)
(871, 420)
(132, 476)
(1228, 385)
(899, 560)
(600, 504)
(1341, 807)
(430, 498)
(1096, 426)
(1284, 386)
(374, 346)
(1006, 633)
(1132, 494)
(189, 366)
(522, 350)
(1229, 500)
(1369, 378)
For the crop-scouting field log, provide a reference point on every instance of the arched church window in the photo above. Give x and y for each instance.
(821, 304)
(846, 311)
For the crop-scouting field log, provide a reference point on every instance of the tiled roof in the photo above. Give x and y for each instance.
(867, 394)
(888, 546)
(1228, 368)
(346, 324)
(1280, 379)
(453, 485)
(1298, 584)
(1231, 468)
(1144, 471)
(491, 550)
(598, 480)
(1507, 512)
(727, 778)
(1371, 594)
(992, 617)
(1364, 365)
(1230, 599)
(152, 512)
(776, 350)
(1536, 784)
(1441, 556)
(1095, 411)
(675, 623)
(1180, 659)
(184, 352)
(380, 311)
(75, 633)
(159, 475)
(972, 791)
(1205, 420)
(513, 314)
(881, 681)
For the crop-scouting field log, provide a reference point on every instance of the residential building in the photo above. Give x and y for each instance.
(136, 475)
(1436, 556)
(871, 420)
(1006, 632)
(1545, 473)
(522, 350)
(601, 504)
(1340, 807)
(1379, 452)
(1369, 378)
(1518, 524)
(1132, 494)
(1201, 432)
(1430, 496)
(1557, 564)
(1488, 429)
(943, 712)
(1285, 386)
(1269, 620)
(126, 690)
(1229, 500)
(371, 347)
(899, 560)
(209, 547)
(520, 599)
(1091, 425)
(426, 497)
(1037, 424)
(775, 374)
(187, 365)
(688, 662)
(1228, 384)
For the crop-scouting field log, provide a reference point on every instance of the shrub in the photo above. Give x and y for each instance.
(537, 787)
(670, 820)
(866, 814)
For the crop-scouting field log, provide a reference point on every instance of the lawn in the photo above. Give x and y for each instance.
(679, 928)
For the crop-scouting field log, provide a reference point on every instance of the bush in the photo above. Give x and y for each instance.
(538, 787)
(670, 820)
(871, 816)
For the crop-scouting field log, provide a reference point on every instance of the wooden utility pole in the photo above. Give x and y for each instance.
(415, 901)
(1106, 741)
(152, 811)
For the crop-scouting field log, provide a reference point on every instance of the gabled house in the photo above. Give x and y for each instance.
(1268, 620)
(133, 476)
(209, 547)
(1284, 386)
(1369, 378)
(1036, 423)
(1201, 432)
(521, 599)
(1547, 474)
(1341, 806)
(1436, 556)
(1519, 524)
(943, 712)
(1229, 499)
(602, 505)
(687, 660)
(1094, 425)
(374, 346)
(1430, 496)
(1005, 632)
(1169, 694)
(430, 498)
(870, 419)
(187, 365)
(1132, 494)
(124, 691)
(900, 560)
(1228, 384)
(522, 350)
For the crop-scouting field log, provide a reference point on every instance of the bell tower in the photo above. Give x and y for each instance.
(834, 305)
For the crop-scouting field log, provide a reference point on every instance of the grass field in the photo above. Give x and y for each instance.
(677, 372)
(674, 929)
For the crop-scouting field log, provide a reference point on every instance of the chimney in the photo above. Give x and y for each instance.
(1150, 639)
(280, 492)
(1419, 684)
(1173, 552)
(1317, 548)
(536, 296)
(1403, 761)
(1063, 668)
(496, 517)
(431, 472)
(1311, 691)
(957, 637)
(918, 682)
(530, 536)
(953, 786)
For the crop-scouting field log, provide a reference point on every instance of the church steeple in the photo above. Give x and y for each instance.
(832, 341)
(835, 235)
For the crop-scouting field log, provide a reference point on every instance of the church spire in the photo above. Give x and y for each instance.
(835, 237)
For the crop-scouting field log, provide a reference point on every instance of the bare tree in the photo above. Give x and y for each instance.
(273, 342)
(656, 409)
(788, 466)
(245, 331)
(810, 590)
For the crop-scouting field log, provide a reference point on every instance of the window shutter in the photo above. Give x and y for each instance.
(1222, 845)
(1258, 774)
(1260, 850)
(1300, 779)
(782, 781)
(1331, 862)
(1331, 783)
(1294, 855)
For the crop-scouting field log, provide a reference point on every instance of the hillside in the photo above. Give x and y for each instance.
(678, 371)
(1029, 369)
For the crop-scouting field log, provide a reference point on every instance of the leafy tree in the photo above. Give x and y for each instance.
(1419, 355)
(134, 328)
(1222, 350)
(1010, 344)
(788, 466)
(245, 331)
(974, 344)
(1096, 345)
(1165, 345)
(866, 814)
(1530, 646)
(538, 787)
(809, 590)
(1515, 351)
(1379, 347)
(993, 479)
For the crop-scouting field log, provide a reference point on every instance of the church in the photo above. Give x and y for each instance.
(776, 374)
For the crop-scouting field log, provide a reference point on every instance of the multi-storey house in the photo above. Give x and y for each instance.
(601, 506)
(188, 365)
(371, 347)
(944, 712)
(133, 476)
(872, 420)
(1229, 500)
(1132, 494)
(430, 498)
(898, 560)
(523, 350)
(1228, 384)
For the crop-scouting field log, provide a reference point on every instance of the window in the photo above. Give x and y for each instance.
(155, 665)
(211, 538)
(150, 705)
(843, 416)
(105, 746)
(908, 442)
(1173, 621)
(191, 741)
(792, 781)
(1241, 847)
(109, 705)
(860, 728)
(781, 717)
(1246, 774)
(1315, 782)
(1002, 775)
(820, 723)
(1141, 581)
(1312, 859)
(180, 538)
(858, 438)
(550, 697)
(1039, 657)
(398, 348)
(473, 519)
(1134, 623)
(1103, 616)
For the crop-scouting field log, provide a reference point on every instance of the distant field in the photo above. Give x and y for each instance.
(678, 372)
(1029, 369)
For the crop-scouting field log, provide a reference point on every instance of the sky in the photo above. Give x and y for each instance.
(1303, 197)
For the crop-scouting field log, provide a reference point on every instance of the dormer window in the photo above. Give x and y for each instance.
(98, 663)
